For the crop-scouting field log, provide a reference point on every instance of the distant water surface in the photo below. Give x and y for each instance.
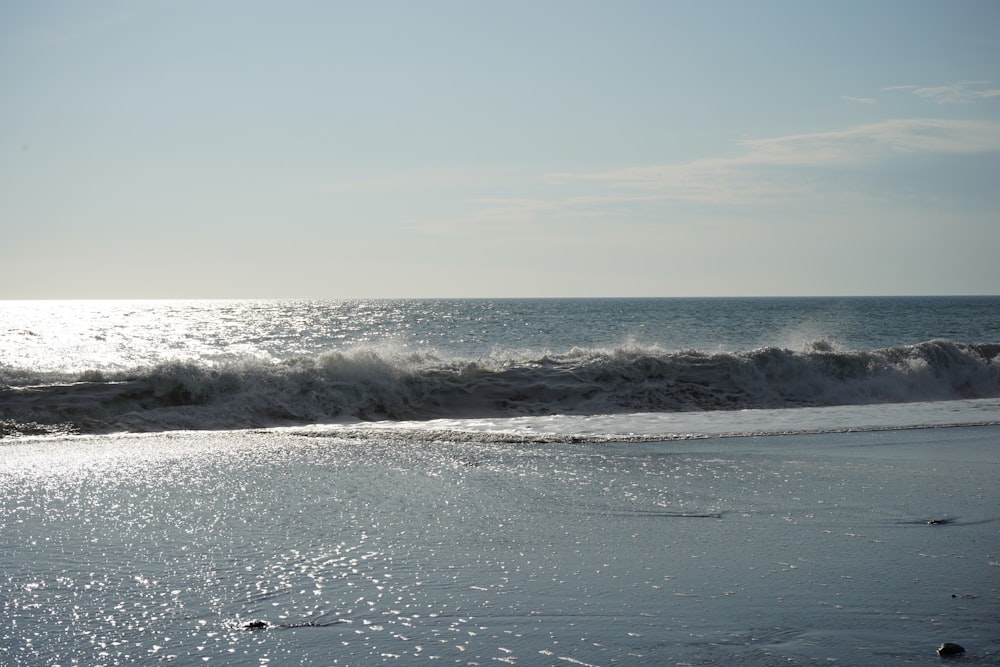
(74, 335)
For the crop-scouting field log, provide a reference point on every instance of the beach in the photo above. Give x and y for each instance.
(523, 481)
(289, 547)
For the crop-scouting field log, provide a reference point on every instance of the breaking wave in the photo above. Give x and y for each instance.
(377, 384)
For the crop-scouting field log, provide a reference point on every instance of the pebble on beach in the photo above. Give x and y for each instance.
(948, 650)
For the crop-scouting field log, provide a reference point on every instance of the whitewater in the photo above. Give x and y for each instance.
(90, 367)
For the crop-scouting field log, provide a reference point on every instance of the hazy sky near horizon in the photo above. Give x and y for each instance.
(519, 148)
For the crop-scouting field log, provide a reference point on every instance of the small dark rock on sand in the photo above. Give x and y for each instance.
(949, 650)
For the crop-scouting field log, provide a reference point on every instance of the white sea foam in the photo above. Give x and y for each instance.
(369, 383)
(660, 426)
(150, 366)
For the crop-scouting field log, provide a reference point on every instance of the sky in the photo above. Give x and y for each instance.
(327, 149)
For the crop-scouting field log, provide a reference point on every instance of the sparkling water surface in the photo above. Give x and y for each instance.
(121, 335)
(164, 549)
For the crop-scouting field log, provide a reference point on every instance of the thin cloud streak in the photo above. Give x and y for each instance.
(859, 100)
(854, 146)
(959, 92)
(775, 170)
(876, 141)
(760, 175)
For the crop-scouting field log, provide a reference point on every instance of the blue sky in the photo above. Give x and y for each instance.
(544, 148)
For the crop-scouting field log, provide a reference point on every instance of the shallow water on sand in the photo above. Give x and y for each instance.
(860, 548)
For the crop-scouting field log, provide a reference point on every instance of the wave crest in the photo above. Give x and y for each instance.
(375, 384)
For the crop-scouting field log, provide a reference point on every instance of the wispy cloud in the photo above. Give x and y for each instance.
(770, 170)
(876, 141)
(959, 92)
(746, 177)
(774, 170)
(858, 100)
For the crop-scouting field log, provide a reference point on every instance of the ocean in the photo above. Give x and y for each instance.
(91, 367)
(748, 481)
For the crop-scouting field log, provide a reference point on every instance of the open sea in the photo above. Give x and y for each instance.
(732, 481)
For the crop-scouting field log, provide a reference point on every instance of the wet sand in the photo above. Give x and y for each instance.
(853, 549)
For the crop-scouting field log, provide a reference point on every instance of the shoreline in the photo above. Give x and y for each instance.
(599, 428)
